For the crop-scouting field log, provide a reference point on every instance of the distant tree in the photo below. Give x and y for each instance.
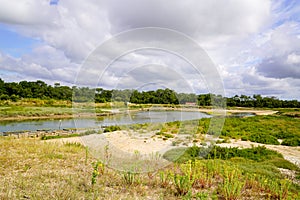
(39, 89)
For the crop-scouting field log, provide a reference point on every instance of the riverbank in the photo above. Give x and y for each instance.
(58, 116)
(18, 113)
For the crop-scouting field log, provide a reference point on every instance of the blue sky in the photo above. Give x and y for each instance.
(254, 44)
(15, 44)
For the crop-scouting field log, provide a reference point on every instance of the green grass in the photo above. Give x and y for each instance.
(260, 129)
(263, 129)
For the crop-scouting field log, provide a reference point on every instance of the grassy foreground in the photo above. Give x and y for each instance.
(35, 169)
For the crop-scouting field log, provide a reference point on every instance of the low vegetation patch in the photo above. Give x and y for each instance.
(291, 141)
(88, 132)
(112, 129)
(264, 129)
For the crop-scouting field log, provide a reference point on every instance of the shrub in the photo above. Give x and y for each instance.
(244, 138)
(89, 132)
(263, 138)
(291, 142)
(168, 135)
(159, 133)
(111, 129)
(282, 163)
(259, 154)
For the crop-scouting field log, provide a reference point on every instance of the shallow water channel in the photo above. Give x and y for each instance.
(119, 119)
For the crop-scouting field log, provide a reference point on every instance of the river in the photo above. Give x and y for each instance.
(119, 119)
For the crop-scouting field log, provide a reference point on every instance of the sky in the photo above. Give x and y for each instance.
(253, 45)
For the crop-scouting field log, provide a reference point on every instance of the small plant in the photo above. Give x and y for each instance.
(129, 177)
(164, 178)
(279, 190)
(167, 135)
(244, 138)
(89, 132)
(201, 196)
(182, 183)
(232, 184)
(107, 154)
(74, 144)
(175, 142)
(86, 154)
(98, 168)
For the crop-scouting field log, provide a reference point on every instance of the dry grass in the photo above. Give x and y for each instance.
(35, 169)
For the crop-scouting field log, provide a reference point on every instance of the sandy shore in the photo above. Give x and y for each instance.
(146, 144)
(256, 112)
(126, 141)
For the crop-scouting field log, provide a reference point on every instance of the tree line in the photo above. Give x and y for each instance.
(38, 89)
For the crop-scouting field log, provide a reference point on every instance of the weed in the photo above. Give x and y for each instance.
(129, 177)
(279, 190)
(232, 184)
(182, 183)
(74, 144)
(98, 169)
(201, 196)
(164, 179)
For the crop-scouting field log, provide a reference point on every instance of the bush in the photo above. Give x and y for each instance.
(244, 138)
(291, 142)
(4, 97)
(111, 129)
(258, 154)
(282, 163)
(263, 138)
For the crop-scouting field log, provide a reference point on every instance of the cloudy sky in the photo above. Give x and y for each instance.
(254, 44)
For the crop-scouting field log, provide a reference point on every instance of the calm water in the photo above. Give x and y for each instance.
(136, 118)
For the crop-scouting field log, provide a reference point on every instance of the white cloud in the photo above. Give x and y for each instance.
(44, 62)
(280, 54)
(293, 59)
(27, 12)
(241, 36)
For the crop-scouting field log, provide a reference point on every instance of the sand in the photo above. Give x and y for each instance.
(131, 143)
